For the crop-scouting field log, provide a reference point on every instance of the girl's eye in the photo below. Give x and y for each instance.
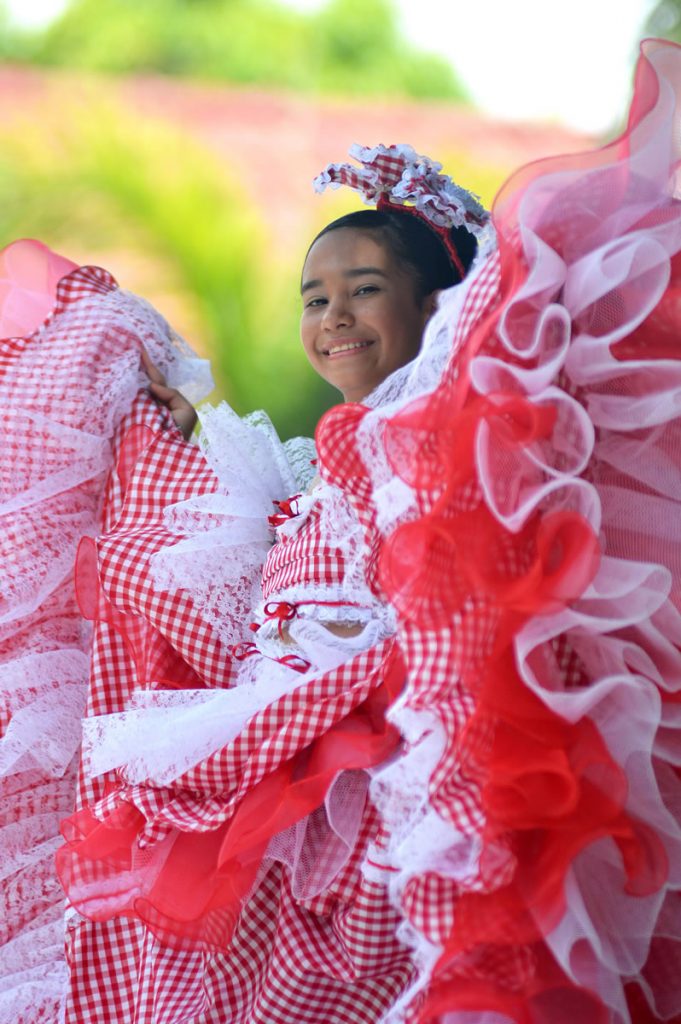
(318, 301)
(367, 289)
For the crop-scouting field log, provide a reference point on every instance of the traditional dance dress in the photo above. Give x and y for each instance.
(404, 745)
(236, 773)
(69, 371)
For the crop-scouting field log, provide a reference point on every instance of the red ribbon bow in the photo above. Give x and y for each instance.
(288, 509)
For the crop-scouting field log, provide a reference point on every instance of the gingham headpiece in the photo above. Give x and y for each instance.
(394, 176)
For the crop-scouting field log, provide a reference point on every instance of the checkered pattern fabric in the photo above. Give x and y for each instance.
(334, 958)
(158, 623)
(207, 795)
(372, 180)
(443, 665)
(305, 557)
(54, 457)
(286, 964)
(56, 362)
(395, 174)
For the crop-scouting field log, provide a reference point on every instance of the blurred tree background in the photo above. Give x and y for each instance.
(664, 20)
(158, 137)
(248, 42)
(351, 47)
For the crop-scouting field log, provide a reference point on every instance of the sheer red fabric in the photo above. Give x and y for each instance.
(536, 471)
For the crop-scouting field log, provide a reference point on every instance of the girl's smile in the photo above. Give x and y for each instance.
(343, 347)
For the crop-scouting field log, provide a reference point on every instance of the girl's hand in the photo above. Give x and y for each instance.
(182, 411)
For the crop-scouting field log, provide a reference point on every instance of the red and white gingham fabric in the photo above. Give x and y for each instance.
(381, 171)
(62, 387)
(396, 174)
(545, 909)
(305, 557)
(286, 964)
(438, 659)
(334, 958)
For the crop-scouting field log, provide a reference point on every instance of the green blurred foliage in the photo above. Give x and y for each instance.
(95, 178)
(664, 20)
(351, 47)
(88, 174)
(12, 40)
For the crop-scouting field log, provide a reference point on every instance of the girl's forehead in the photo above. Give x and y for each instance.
(349, 246)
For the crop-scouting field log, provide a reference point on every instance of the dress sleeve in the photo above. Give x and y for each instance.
(216, 537)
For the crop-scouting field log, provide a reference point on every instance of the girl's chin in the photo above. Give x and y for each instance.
(357, 394)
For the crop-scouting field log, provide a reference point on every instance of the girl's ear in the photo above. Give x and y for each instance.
(429, 305)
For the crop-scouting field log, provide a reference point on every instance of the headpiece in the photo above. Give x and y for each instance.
(392, 176)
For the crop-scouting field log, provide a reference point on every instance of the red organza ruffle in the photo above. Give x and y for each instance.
(512, 542)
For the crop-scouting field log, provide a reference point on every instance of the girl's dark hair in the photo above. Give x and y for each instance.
(414, 245)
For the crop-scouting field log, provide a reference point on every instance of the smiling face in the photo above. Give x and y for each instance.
(361, 316)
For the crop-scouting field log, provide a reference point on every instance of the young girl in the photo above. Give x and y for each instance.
(253, 790)
(418, 759)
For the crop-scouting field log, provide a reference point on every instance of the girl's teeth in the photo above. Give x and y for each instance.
(346, 348)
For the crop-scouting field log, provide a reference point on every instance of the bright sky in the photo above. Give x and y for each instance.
(33, 12)
(567, 61)
(520, 59)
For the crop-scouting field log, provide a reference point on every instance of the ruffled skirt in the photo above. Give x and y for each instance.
(534, 819)
(518, 857)
(69, 373)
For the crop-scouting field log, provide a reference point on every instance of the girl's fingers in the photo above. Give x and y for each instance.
(170, 397)
(181, 410)
(161, 390)
(152, 371)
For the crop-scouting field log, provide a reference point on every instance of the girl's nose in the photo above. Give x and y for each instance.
(337, 314)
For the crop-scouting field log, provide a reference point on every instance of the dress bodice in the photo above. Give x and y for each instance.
(304, 557)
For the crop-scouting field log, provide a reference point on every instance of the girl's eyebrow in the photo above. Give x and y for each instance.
(354, 272)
